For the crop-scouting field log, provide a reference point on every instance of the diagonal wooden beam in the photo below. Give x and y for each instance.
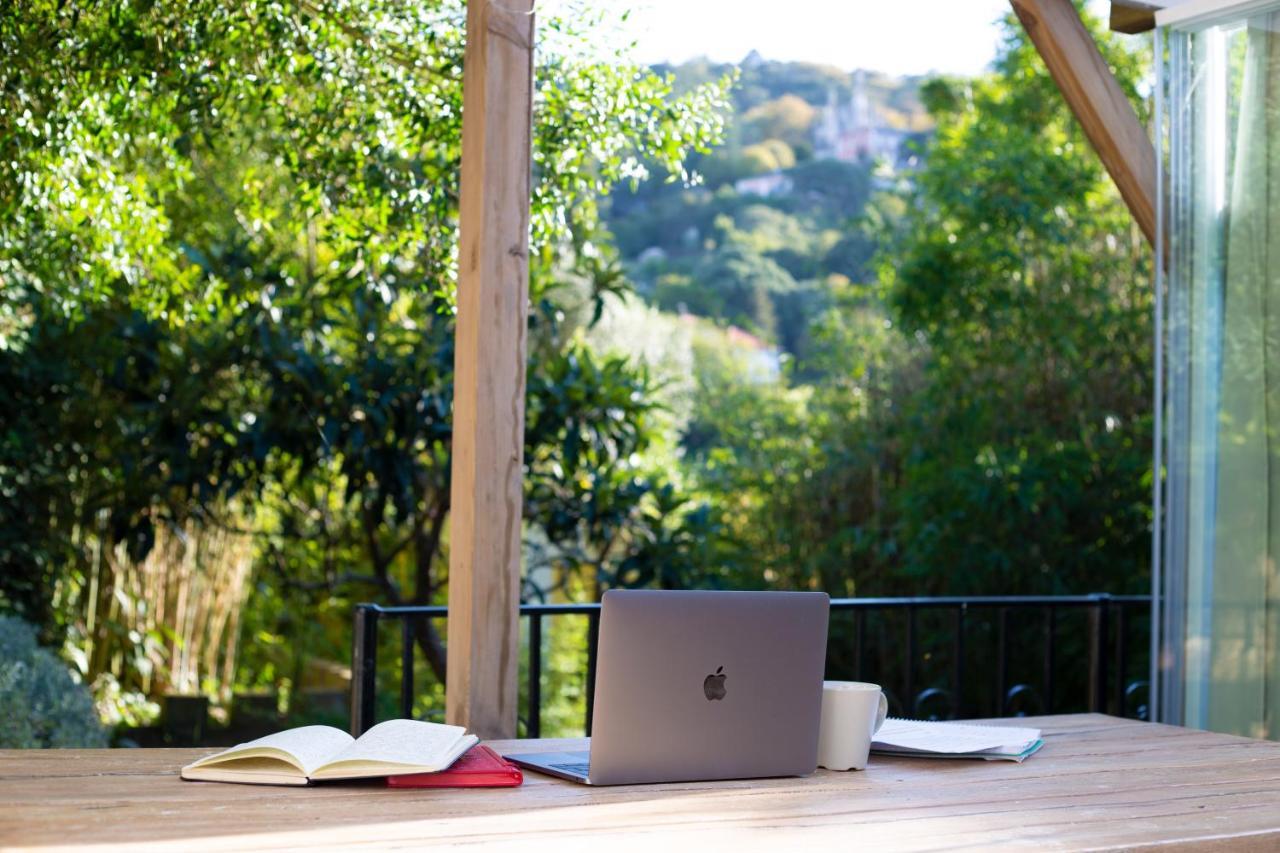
(1094, 95)
(489, 369)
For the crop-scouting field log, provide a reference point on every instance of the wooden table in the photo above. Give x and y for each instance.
(1099, 782)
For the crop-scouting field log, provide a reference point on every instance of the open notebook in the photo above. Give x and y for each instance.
(312, 753)
(955, 740)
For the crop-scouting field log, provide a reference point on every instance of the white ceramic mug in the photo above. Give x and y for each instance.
(852, 711)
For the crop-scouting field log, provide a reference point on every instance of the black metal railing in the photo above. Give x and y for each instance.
(976, 656)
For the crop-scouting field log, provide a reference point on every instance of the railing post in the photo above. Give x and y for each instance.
(1122, 653)
(957, 673)
(534, 726)
(1099, 609)
(909, 698)
(1050, 632)
(1002, 662)
(862, 644)
(406, 666)
(364, 668)
(593, 645)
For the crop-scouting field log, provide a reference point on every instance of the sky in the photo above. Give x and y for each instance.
(894, 36)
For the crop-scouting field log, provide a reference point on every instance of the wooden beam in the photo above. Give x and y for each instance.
(1095, 97)
(1132, 17)
(489, 369)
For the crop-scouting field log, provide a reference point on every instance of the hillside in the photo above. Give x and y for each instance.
(786, 209)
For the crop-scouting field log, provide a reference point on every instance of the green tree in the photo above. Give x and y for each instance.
(977, 420)
(341, 120)
(749, 283)
(41, 706)
(227, 241)
(840, 190)
(1028, 468)
(772, 155)
(806, 478)
(789, 119)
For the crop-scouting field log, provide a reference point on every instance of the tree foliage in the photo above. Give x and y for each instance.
(228, 247)
(228, 253)
(41, 707)
(1022, 270)
(977, 418)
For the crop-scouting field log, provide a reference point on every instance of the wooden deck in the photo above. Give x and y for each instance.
(1099, 782)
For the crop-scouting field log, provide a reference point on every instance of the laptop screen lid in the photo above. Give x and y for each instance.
(694, 685)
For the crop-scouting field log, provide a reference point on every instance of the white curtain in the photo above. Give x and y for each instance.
(1243, 622)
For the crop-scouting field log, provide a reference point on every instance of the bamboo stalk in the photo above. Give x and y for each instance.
(188, 590)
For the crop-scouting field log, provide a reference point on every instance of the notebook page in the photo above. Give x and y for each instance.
(403, 742)
(952, 737)
(312, 746)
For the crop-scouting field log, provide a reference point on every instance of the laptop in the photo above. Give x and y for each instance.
(701, 685)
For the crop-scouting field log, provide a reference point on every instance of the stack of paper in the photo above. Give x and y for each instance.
(955, 740)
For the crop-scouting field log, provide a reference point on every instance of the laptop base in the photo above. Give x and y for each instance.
(565, 765)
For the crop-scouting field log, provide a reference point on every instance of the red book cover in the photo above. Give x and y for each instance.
(479, 767)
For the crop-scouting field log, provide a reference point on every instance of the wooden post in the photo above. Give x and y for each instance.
(1095, 97)
(489, 368)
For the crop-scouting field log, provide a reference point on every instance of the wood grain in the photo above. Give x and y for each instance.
(489, 368)
(1132, 16)
(1097, 101)
(1099, 783)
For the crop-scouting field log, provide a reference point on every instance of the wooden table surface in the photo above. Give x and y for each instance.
(1099, 782)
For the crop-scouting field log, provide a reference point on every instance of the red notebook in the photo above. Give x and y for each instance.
(479, 767)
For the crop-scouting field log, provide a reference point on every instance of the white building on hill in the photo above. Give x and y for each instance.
(855, 132)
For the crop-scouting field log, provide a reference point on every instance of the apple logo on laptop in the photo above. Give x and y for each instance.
(713, 685)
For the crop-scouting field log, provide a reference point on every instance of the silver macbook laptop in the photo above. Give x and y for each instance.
(702, 685)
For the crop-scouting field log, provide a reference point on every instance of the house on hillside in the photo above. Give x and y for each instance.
(762, 360)
(856, 131)
(765, 186)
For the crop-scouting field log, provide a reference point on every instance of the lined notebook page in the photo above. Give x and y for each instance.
(951, 738)
(403, 742)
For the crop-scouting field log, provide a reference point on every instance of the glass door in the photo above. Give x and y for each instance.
(1220, 658)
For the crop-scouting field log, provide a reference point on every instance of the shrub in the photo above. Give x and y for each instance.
(41, 705)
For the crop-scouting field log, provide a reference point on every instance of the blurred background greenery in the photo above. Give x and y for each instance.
(227, 257)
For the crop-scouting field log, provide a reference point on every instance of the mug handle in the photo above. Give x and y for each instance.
(881, 713)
